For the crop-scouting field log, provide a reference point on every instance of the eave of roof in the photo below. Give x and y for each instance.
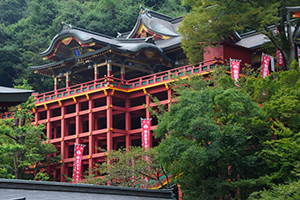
(85, 190)
(53, 64)
(293, 9)
(14, 95)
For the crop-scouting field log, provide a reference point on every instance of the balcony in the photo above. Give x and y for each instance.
(125, 85)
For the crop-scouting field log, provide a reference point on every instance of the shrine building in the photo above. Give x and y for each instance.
(107, 81)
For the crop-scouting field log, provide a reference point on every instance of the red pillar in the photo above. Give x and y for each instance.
(91, 126)
(55, 84)
(96, 75)
(49, 128)
(109, 127)
(36, 118)
(148, 115)
(170, 93)
(109, 69)
(68, 80)
(62, 142)
(77, 123)
(109, 122)
(127, 122)
(123, 73)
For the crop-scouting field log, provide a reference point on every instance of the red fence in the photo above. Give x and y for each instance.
(133, 84)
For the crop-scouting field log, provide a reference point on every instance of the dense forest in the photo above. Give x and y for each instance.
(28, 26)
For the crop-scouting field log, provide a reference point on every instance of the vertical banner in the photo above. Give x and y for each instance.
(235, 68)
(279, 55)
(146, 132)
(78, 152)
(265, 65)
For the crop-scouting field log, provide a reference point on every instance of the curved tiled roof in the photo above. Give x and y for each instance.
(157, 23)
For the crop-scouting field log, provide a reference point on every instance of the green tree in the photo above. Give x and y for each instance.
(12, 10)
(222, 142)
(288, 191)
(134, 167)
(213, 135)
(280, 98)
(24, 150)
(211, 21)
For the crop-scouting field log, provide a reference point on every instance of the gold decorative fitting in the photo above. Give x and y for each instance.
(106, 130)
(145, 92)
(111, 105)
(33, 109)
(112, 92)
(76, 114)
(106, 107)
(61, 161)
(74, 99)
(89, 111)
(89, 133)
(167, 86)
(89, 156)
(61, 117)
(47, 120)
(214, 61)
(34, 123)
(111, 129)
(87, 97)
(61, 139)
(105, 92)
(45, 106)
(169, 101)
(59, 102)
(76, 136)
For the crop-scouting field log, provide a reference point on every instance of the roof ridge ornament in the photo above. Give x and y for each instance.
(145, 11)
(66, 26)
(150, 39)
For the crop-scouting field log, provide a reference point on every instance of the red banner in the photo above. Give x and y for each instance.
(265, 65)
(146, 136)
(78, 152)
(235, 69)
(279, 56)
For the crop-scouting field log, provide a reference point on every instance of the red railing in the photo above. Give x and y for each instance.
(160, 77)
(6, 115)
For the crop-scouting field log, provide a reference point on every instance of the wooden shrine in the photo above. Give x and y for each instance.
(107, 81)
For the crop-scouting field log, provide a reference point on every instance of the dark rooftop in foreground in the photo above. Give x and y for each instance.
(41, 190)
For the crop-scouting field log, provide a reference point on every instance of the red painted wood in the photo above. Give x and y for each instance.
(109, 122)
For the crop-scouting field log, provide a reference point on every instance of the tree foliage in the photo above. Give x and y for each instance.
(220, 143)
(36, 22)
(134, 167)
(212, 21)
(24, 150)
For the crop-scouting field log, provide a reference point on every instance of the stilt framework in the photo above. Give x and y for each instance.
(104, 113)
